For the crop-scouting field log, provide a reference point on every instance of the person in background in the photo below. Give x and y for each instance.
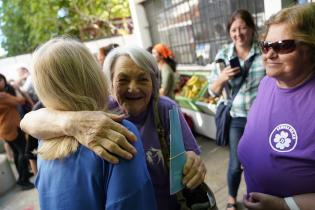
(242, 30)
(25, 83)
(25, 87)
(278, 146)
(22, 74)
(11, 132)
(133, 75)
(167, 65)
(8, 152)
(70, 176)
(32, 145)
(103, 52)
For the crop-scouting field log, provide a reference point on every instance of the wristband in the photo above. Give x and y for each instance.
(291, 203)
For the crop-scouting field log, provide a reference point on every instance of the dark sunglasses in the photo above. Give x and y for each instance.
(280, 47)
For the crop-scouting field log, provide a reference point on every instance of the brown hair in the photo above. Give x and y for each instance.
(245, 16)
(301, 21)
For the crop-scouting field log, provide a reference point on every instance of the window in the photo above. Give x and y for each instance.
(195, 29)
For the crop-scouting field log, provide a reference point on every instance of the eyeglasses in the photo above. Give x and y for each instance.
(280, 47)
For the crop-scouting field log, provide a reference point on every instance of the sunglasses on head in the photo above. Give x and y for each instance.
(280, 47)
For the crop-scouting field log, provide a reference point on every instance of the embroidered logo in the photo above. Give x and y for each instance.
(154, 156)
(283, 138)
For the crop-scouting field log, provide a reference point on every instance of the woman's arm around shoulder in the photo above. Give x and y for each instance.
(96, 130)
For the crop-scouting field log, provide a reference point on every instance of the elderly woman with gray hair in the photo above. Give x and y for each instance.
(133, 75)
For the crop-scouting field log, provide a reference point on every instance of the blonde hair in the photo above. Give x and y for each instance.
(67, 77)
(301, 21)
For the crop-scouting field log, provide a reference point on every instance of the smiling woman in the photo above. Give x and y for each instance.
(134, 82)
(242, 80)
(132, 86)
(278, 146)
(284, 62)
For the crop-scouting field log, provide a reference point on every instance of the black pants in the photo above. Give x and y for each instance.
(31, 145)
(18, 147)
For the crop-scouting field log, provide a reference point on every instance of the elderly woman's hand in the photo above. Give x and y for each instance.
(194, 170)
(97, 130)
(261, 201)
(101, 133)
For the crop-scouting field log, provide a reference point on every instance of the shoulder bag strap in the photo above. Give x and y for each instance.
(166, 151)
(247, 66)
(161, 133)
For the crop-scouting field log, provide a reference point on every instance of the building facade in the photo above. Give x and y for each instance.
(195, 29)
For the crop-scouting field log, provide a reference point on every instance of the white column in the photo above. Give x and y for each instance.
(140, 24)
(272, 7)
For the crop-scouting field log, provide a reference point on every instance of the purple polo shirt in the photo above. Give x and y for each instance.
(151, 144)
(277, 149)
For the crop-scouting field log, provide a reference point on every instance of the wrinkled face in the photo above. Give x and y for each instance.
(240, 33)
(157, 55)
(287, 68)
(2, 84)
(132, 86)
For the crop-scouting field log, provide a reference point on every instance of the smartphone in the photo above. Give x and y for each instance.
(234, 62)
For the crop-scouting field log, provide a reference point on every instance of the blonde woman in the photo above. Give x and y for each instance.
(133, 79)
(278, 146)
(67, 77)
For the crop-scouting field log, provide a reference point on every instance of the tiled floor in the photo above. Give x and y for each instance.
(216, 159)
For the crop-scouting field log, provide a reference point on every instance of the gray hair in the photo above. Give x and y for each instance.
(141, 57)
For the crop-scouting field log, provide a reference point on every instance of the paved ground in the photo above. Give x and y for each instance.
(216, 159)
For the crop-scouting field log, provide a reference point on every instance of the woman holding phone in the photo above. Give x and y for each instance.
(243, 67)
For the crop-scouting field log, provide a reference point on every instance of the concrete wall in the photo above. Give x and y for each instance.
(140, 23)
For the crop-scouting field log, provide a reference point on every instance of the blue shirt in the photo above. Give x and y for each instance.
(84, 181)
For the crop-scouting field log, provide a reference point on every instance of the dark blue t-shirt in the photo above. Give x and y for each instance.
(84, 181)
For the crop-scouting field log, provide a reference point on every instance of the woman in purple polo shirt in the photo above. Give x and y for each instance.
(134, 73)
(277, 149)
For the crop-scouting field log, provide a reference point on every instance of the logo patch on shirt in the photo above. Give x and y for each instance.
(283, 138)
(154, 156)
